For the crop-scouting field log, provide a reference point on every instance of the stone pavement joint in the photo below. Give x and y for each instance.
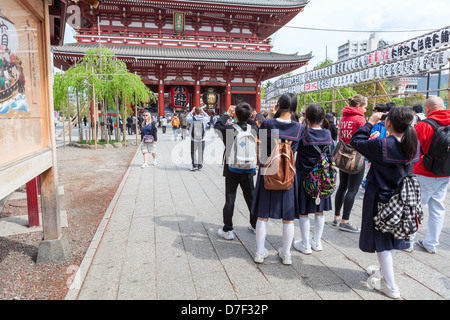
(158, 241)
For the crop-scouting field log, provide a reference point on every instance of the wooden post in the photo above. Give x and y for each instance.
(70, 119)
(54, 244)
(32, 203)
(95, 113)
(333, 104)
(136, 123)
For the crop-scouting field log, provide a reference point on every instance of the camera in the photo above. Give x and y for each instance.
(384, 116)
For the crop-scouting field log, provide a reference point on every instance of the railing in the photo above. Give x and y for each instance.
(173, 40)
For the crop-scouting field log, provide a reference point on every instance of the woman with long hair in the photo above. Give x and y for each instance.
(148, 143)
(352, 119)
(383, 178)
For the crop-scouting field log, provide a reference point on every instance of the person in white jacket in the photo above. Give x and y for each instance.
(198, 120)
(163, 124)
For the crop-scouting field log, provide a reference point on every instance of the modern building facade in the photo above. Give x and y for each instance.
(355, 48)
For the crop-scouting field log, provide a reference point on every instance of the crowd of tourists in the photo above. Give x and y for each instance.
(301, 161)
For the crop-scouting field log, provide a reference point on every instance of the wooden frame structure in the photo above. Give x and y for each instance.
(27, 132)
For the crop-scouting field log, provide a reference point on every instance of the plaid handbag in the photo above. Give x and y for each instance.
(403, 213)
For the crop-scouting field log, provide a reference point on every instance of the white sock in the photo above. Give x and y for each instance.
(319, 222)
(288, 236)
(261, 230)
(386, 260)
(304, 230)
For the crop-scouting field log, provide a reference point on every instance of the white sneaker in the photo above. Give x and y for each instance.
(374, 271)
(251, 228)
(285, 259)
(259, 257)
(381, 286)
(298, 244)
(144, 165)
(315, 246)
(154, 162)
(228, 235)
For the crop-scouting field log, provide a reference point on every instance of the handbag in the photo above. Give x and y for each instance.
(148, 139)
(347, 159)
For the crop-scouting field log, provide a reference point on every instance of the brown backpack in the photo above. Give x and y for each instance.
(279, 169)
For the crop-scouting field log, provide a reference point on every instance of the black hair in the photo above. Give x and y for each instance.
(243, 111)
(401, 119)
(380, 107)
(288, 103)
(316, 114)
(417, 108)
(389, 106)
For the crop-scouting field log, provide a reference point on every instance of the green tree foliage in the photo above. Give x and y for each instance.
(325, 98)
(100, 73)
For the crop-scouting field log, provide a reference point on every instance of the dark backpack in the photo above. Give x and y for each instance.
(320, 182)
(437, 159)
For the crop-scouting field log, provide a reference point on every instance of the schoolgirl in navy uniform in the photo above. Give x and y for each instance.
(276, 204)
(314, 134)
(399, 148)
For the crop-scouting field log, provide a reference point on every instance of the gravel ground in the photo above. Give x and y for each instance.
(90, 179)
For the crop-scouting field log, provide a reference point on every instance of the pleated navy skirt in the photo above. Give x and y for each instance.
(370, 239)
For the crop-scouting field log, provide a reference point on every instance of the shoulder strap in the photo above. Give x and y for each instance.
(237, 128)
(432, 123)
(318, 149)
(402, 170)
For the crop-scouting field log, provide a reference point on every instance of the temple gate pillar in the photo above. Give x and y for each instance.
(161, 98)
(258, 97)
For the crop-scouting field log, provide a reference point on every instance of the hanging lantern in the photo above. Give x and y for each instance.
(179, 98)
(210, 98)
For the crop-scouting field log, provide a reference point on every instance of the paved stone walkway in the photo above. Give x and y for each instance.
(158, 240)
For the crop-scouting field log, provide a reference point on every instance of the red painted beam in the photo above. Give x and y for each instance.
(32, 203)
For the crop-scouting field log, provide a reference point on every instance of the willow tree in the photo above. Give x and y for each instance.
(104, 80)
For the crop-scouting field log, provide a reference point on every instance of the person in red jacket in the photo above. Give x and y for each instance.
(352, 118)
(433, 189)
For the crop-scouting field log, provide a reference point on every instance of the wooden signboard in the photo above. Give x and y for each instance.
(178, 22)
(27, 142)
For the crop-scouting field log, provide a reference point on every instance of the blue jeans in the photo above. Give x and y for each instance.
(433, 192)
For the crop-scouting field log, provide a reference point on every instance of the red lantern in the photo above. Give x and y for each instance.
(179, 98)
